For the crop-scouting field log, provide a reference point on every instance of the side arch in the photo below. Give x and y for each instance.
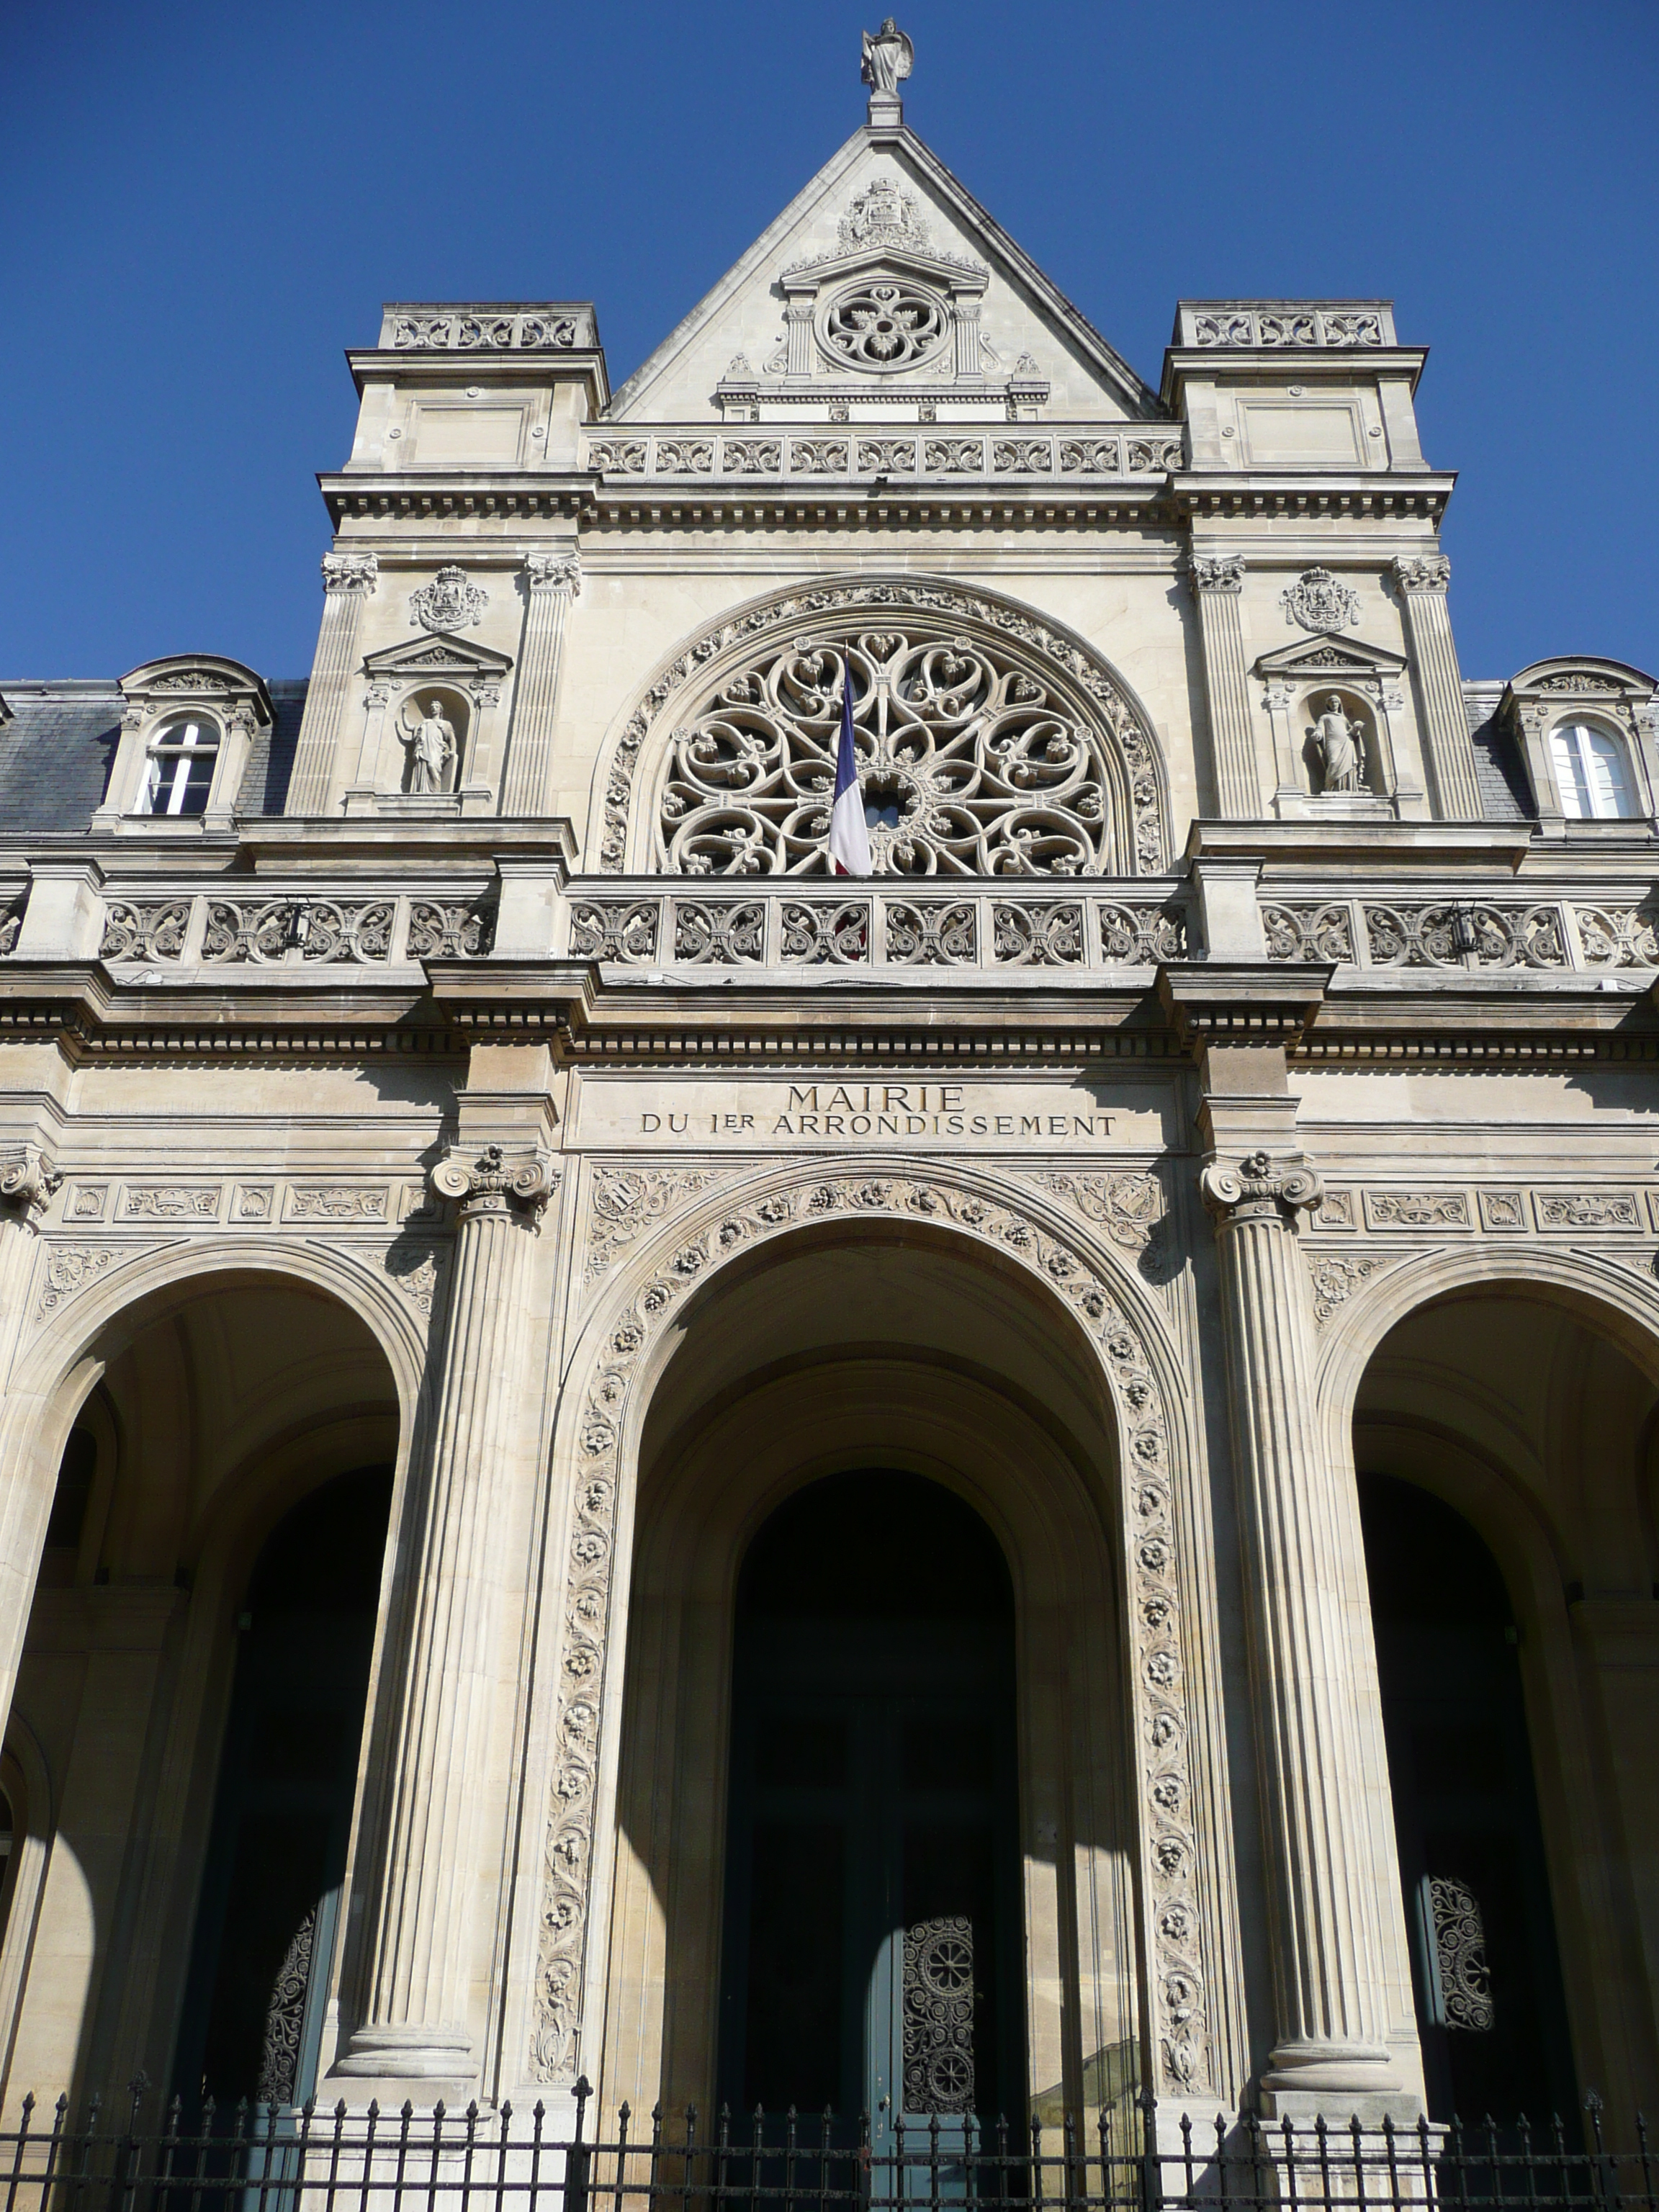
(1608, 1295)
(622, 827)
(1170, 1645)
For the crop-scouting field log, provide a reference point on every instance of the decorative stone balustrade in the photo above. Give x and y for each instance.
(292, 929)
(825, 927)
(885, 923)
(863, 453)
(1472, 933)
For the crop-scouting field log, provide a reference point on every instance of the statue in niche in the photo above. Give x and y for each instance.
(888, 58)
(430, 745)
(1340, 746)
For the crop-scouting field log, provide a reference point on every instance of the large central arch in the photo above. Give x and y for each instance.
(1094, 696)
(1170, 1647)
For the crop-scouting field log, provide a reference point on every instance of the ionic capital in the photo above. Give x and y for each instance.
(349, 573)
(1225, 573)
(1260, 1188)
(1423, 572)
(555, 572)
(27, 1180)
(491, 1182)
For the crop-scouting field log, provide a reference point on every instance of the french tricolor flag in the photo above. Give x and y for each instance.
(849, 839)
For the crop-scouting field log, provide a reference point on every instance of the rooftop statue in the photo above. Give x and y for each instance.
(888, 58)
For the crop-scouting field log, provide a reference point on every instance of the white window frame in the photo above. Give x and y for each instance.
(165, 780)
(1579, 796)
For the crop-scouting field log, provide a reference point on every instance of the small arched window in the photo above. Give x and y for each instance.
(1592, 773)
(178, 765)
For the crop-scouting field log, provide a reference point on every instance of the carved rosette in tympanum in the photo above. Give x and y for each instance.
(990, 742)
(1163, 1722)
(969, 763)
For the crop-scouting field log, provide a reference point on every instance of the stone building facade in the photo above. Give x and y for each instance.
(473, 1175)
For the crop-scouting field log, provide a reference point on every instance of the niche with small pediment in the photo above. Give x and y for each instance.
(428, 743)
(1336, 706)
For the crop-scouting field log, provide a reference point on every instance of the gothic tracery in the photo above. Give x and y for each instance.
(971, 765)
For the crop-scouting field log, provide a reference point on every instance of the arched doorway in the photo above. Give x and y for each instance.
(1486, 1971)
(266, 1924)
(870, 1960)
(224, 1401)
(1506, 1440)
(856, 1344)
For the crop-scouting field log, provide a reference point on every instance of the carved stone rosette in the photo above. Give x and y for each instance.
(1164, 1721)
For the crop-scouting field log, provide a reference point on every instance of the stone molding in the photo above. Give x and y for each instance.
(28, 1181)
(355, 573)
(555, 572)
(1132, 1354)
(1223, 573)
(1259, 1186)
(1423, 572)
(493, 1182)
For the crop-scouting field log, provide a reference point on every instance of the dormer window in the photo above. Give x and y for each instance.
(179, 764)
(1592, 773)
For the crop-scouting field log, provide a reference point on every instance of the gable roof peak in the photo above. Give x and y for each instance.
(884, 196)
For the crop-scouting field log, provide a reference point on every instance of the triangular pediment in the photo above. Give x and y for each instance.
(1331, 656)
(438, 655)
(883, 209)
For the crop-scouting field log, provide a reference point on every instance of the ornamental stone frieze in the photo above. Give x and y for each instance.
(1501, 1211)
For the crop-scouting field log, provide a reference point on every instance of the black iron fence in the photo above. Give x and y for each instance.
(1129, 2158)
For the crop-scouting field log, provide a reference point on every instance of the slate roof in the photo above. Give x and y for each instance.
(1505, 794)
(58, 746)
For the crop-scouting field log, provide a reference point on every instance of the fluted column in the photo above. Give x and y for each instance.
(554, 580)
(28, 1183)
(1422, 581)
(1217, 586)
(348, 581)
(1304, 1572)
(416, 2026)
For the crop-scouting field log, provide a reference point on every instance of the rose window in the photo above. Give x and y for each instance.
(970, 763)
(885, 326)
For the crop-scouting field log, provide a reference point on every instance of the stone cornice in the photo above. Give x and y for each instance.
(1242, 1001)
(1379, 495)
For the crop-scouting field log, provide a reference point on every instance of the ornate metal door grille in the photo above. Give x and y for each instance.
(939, 2015)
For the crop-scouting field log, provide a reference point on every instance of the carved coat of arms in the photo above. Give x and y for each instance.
(449, 602)
(1320, 601)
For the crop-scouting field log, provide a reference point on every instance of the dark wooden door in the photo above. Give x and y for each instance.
(1485, 1970)
(871, 1951)
(268, 1917)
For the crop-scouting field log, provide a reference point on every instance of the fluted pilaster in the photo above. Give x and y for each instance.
(1303, 1567)
(1217, 586)
(415, 2025)
(348, 581)
(1422, 581)
(554, 582)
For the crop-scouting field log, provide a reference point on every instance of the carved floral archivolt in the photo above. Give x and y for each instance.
(1164, 1721)
(990, 743)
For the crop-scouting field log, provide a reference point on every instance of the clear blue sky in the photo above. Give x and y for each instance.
(204, 204)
